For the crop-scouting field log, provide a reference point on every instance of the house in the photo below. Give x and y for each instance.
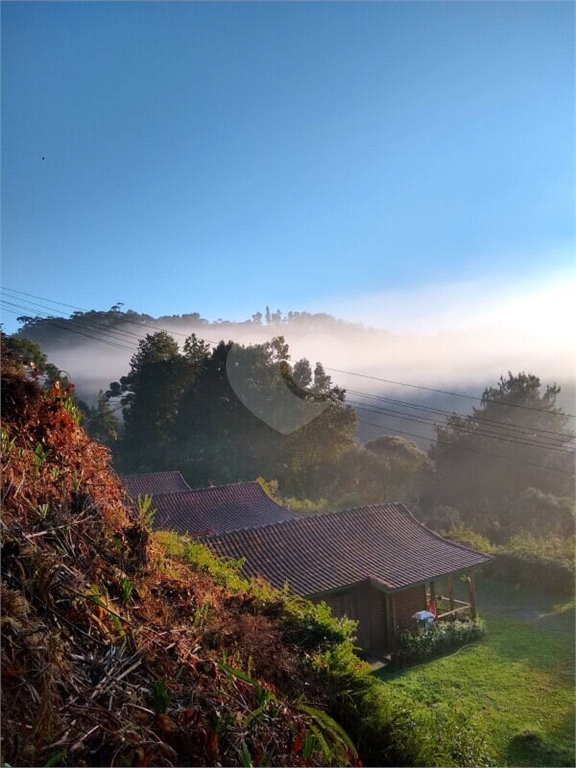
(211, 510)
(154, 483)
(376, 564)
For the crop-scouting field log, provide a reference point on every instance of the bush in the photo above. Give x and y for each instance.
(462, 534)
(440, 638)
(546, 564)
(536, 563)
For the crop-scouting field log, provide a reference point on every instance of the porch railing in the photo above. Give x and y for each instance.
(461, 608)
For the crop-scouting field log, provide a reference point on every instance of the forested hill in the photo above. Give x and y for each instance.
(96, 347)
(53, 333)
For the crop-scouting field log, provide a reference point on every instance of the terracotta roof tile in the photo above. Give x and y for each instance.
(217, 509)
(154, 482)
(315, 554)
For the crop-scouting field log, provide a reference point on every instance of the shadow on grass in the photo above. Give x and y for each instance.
(497, 596)
(530, 748)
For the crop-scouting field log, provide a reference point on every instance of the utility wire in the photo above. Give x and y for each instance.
(336, 370)
(141, 323)
(89, 324)
(444, 392)
(475, 450)
(18, 309)
(465, 430)
(327, 368)
(412, 417)
(480, 419)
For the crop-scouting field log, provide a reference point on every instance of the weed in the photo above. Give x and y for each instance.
(146, 512)
(43, 510)
(40, 456)
(127, 588)
(161, 696)
(72, 409)
(7, 443)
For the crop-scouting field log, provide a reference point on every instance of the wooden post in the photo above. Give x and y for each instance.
(390, 628)
(472, 594)
(451, 594)
(433, 591)
(394, 628)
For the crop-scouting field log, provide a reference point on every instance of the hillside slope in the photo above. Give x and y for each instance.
(115, 652)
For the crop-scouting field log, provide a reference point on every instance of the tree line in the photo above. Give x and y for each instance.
(504, 469)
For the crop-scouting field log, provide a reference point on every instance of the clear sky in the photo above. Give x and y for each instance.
(220, 157)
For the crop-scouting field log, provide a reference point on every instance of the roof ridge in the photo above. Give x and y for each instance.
(157, 472)
(300, 518)
(229, 485)
(253, 483)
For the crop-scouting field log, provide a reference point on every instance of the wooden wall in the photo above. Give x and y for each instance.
(379, 616)
(407, 603)
(367, 606)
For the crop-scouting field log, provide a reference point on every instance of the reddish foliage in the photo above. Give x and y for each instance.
(111, 650)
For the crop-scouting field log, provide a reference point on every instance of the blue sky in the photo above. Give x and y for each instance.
(221, 157)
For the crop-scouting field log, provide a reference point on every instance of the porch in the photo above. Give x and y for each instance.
(382, 614)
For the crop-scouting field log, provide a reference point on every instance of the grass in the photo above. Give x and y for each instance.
(517, 683)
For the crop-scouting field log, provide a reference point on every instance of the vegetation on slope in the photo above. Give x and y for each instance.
(115, 652)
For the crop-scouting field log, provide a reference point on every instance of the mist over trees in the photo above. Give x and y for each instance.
(180, 411)
(505, 469)
(509, 460)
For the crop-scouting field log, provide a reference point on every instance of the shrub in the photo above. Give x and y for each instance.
(440, 638)
(546, 564)
(462, 534)
(526, 561)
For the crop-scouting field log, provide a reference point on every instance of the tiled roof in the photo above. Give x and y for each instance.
(154, 483)
(218, 509)
(384, 543)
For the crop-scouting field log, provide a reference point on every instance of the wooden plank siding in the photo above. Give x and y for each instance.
(407, 603)
(380, 616)
(366, 605)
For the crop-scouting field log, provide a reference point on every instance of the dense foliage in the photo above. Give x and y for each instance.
(509, 467)
(121, 648)
(181, 411)
(441, 637)
(526, 561)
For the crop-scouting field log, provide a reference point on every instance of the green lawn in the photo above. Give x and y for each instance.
(518, 682)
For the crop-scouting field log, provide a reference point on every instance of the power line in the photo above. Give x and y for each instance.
(142, 323)
(444, 392)
(475, 450)
(18, 309)
(395, 414)
(479, 419)
(336, 370)
(116, 333)
(465, 430)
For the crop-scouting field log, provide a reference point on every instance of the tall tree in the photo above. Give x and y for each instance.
(517, 439)
(100, 422)
(150, 396)
(224, 440)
